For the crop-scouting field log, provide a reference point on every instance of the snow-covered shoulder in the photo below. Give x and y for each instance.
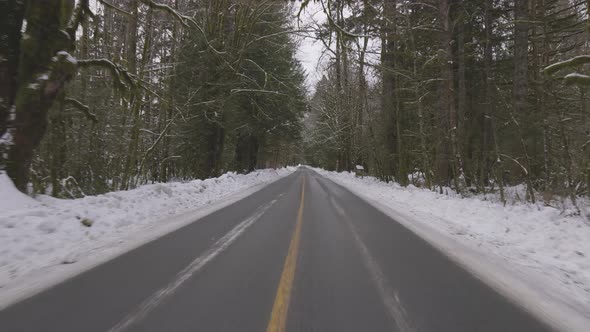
(536, 255)
(42, 238)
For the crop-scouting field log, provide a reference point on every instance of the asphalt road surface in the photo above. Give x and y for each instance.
(302, 254)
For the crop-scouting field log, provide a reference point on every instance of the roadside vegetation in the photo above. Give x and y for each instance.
(477, 96)
(100, 95)
(472, 95)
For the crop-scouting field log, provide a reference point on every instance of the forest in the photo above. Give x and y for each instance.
(473, 95)
(106, 95)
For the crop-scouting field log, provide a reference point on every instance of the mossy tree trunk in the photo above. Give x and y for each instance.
(11, 19)
(42, 75)
(135, 95)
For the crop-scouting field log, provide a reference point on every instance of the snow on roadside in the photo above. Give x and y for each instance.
(548, 249)
(12, 199)
(45, 231)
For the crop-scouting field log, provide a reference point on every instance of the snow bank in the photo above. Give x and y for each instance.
(43, 232)
(545, 248)
(11, 198)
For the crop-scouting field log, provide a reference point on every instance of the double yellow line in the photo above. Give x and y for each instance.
(278, 318)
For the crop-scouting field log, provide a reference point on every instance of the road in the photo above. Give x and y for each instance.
(301, 254)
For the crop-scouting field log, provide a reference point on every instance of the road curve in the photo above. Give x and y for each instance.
(301, 254)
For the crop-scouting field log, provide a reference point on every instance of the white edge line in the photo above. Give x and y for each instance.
(185, 274)
(48, 277)
(492, 273)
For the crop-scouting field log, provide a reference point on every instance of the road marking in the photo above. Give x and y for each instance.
(218, 247)
(278, 318)
(389, 297)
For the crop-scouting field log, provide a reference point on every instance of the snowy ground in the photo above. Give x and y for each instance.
(45, 234)
(531, 251)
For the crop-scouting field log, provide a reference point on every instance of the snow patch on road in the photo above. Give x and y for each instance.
(43, 234)
(528, 251)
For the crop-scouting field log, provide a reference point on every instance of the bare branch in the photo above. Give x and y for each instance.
(109, 5)
(338, 27)
(123, 79)
(153, 147)
(257, 91)
(526, 172)
(82, 108)
(181, 18)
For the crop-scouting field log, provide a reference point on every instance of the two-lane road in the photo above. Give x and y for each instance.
(302, 254)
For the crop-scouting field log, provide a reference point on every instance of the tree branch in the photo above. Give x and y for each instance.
(120, 74)
(109, 5)
(578, 79)
(575, 61)
(183, 19)
(257, 91)
(82, 108)
(338, 27)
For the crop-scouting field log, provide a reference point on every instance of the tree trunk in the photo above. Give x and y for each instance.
(461, 111)
(247, 153)
(11, 19)
(362, 104)
(57, 137)
(521, 44)
(448, 112)
(489, 132)
(388, 104)
(40, 80)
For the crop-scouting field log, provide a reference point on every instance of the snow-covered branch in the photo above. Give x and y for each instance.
(123, 79)
(575, 61)
(576, 78)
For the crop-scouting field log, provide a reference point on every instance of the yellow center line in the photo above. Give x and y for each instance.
(278, 318)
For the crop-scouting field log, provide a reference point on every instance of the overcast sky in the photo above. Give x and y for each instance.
(310, 50)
